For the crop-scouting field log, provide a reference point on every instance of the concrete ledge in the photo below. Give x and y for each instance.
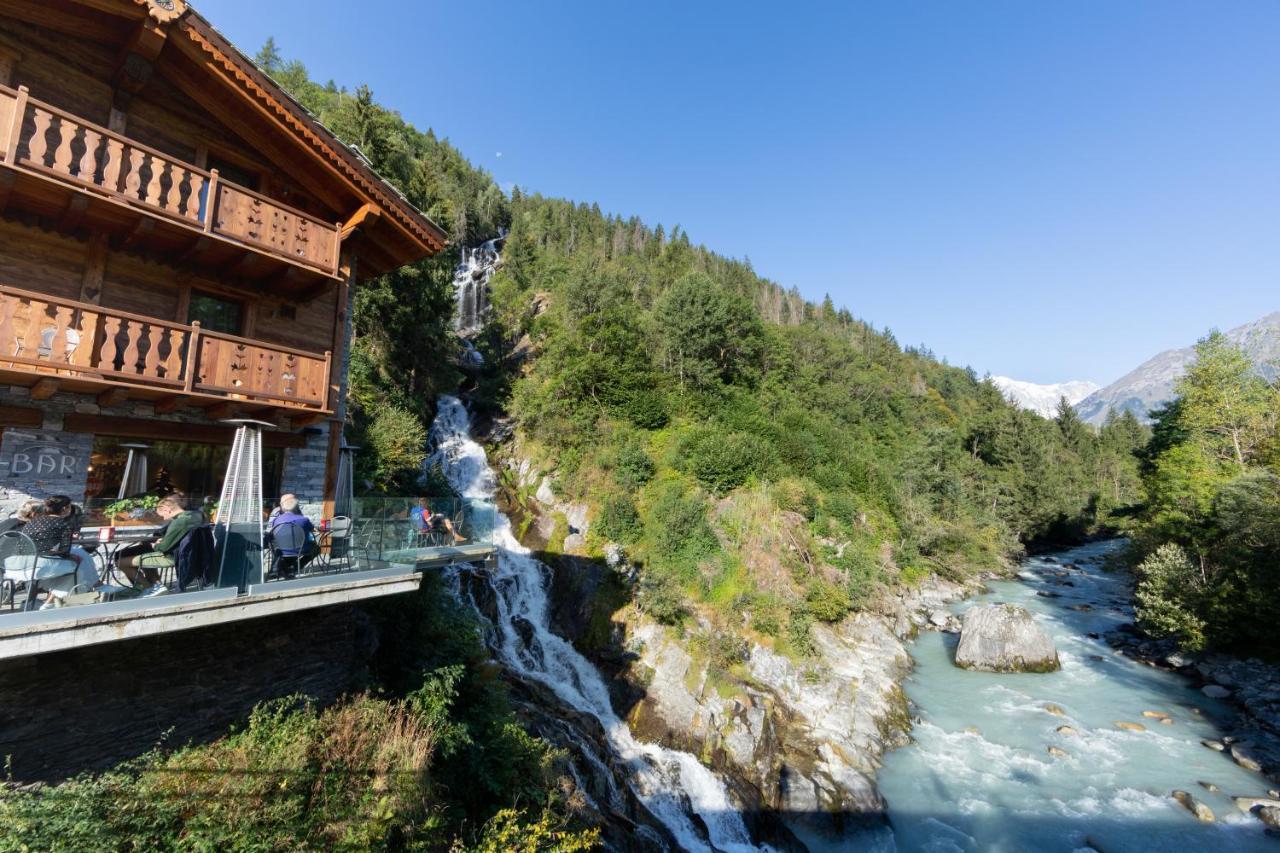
(443, 555)
(39, 632)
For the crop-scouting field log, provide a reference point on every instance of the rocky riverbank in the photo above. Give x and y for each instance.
(1251, 687)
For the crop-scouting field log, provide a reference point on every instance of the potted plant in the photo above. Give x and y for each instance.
(130, 510)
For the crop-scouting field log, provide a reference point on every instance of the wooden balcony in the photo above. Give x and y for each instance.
(49, 343)
(69, 170)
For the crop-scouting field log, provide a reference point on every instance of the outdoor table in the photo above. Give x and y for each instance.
(106, 541)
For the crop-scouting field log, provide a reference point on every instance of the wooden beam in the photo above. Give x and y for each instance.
(160, 430)
(367, 213)
(221, 411)
(73, 213)
(113, 397)
(144, 227)
(195, 249)
(95, 269)
(307, 420)
(21, 416)
(166, 405)
(7, 177)
(135, 62)
(70, 19)
(44, 389)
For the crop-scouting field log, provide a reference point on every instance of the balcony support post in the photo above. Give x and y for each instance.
(15, 126)
(193, 355)
(210, 201)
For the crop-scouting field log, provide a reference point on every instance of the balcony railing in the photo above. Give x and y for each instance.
(56, 337)
(58, 146)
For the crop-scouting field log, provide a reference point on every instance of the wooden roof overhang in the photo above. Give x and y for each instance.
(175, 41)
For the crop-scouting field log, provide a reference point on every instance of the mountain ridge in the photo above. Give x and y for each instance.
(1152, 382)
(1043, 399)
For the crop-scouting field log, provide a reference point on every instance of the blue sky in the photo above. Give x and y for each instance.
(1044, 190)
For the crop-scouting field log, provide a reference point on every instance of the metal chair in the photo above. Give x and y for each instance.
(343, 546)
(17, 565)
(23, 565)
(287, 537)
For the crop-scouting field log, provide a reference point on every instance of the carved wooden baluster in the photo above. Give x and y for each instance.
(151, 367)
(153, 186)
(37, 145)
(110, 343)
(62, 155)
(239, 365)
(35, 327)
(115, 159)
(173, 364)
(133, 336)
(173, 201)
(270, 372)
(192, 210)
(133, 181)
(8, 342)
(89, 162)
(88, 329)
(289, 376)
(58, 345)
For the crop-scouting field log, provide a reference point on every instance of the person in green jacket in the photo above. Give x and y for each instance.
(142, 563)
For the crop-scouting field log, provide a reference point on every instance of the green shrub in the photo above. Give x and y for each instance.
(1165, 601)
(632, 467)
(662, 598)
(618, 520)
(827, 602)
(396, 441)
(722, 461)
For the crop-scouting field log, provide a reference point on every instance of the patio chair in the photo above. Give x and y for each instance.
(285, 538)
(343, 546)
(24, 567)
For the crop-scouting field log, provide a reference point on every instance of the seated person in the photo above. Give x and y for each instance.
(19, 519)
(426, 522)
(289, 514)
(141, 563)
(52, 531)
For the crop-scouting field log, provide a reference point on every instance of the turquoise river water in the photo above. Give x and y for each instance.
(978, 775)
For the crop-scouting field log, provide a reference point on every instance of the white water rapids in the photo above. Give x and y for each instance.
(673, 785)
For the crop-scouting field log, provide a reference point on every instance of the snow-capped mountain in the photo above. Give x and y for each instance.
(1043, 399)
(1151, 383)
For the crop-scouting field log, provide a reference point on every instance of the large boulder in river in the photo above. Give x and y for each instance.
(1004, 638)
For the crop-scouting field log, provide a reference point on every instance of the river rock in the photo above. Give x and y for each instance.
(1066, 730)
(1208, 786)
(1215, 745)
(1215, 691)
(1270, 815)
(1245, 757)
(1058, 752)
(1202, 812)
(1248, 804)
(1156, 715)
(1130, 727)
(1004, 638)
(1056, 710)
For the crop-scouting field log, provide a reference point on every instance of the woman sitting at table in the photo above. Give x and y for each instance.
(142, 562)
(52, 532)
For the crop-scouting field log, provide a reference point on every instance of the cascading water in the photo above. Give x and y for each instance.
(673, 785)
(471, 284)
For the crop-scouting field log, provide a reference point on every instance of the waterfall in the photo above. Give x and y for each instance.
(681, 793)
(471, 285)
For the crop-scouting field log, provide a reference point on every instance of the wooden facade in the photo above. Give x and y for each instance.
(175, 230)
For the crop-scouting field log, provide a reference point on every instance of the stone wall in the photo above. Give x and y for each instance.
(303, 473)
(90, 708)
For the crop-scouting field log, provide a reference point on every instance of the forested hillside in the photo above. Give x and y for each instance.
(683, 396)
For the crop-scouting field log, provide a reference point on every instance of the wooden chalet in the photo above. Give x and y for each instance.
(179, 243)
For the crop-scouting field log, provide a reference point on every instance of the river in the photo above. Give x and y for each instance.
(978, 776)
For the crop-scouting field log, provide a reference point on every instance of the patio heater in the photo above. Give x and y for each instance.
(344, 502)
(134, 480)
(238, 534)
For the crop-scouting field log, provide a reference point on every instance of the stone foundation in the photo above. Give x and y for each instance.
(90, 708)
